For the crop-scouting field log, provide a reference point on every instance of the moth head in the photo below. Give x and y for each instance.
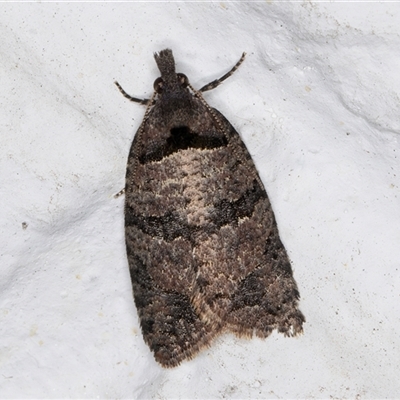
(181, 79)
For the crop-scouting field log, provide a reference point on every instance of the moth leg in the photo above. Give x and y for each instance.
(214, 84)
(120, 193)
(131, 98)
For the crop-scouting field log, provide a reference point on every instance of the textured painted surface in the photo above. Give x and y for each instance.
(316, 103)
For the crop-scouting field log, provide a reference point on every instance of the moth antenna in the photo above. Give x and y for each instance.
(131, 98)
(217, 82)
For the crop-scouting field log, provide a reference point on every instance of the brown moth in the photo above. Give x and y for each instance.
(202, 242)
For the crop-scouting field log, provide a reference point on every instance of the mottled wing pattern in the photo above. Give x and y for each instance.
(244, 277)
(163, 223)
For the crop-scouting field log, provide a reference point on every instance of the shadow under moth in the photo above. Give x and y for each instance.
(202, 242)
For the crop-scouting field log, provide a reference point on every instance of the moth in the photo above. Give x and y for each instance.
(202, 242)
